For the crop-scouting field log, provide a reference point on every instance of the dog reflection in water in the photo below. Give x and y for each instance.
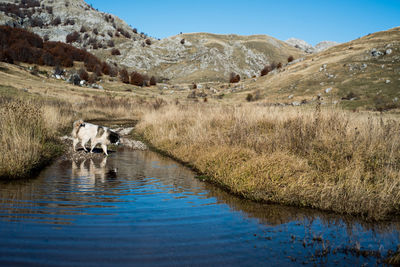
(88, 173)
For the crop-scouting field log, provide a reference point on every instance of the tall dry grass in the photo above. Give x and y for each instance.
(330, 159)
(25, 140)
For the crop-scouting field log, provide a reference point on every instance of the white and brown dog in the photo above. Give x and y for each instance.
(83, 132)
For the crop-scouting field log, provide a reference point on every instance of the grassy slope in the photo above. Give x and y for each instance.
(304, 80)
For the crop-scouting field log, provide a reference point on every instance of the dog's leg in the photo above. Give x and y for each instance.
(84, 141)
(104, 147)
(93, 143)
(75, 142)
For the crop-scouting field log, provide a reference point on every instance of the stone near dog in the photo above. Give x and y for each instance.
(327, 90)
(58, 77)
(82, 82)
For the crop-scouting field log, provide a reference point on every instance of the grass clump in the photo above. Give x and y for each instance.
(330, 159)
(25, 138)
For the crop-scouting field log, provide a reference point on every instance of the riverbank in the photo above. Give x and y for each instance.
(327, 159)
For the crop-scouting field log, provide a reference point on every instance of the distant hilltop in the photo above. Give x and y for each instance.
(306, 47)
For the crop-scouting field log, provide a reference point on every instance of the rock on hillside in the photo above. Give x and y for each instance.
(306, 47)
(183, 58)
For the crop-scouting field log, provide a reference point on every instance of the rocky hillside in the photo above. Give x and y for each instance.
(364, 73)
(182, 58)
(306, 47)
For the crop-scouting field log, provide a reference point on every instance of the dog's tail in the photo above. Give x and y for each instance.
(76, 126)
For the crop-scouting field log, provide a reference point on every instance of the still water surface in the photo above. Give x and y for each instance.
(137, 208)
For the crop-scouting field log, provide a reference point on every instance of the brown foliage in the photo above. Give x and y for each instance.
(124, 76)
(148, 41)
(83, 75)
(234, 78)
(56, 21)
(153, 80)
(73, 37)
(24, 46)
(115, 52)
(290, 59)
(137, 78)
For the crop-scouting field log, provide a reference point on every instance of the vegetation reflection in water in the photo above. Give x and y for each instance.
(148, 204)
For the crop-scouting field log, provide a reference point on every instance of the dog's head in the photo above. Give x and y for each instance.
(113, 137)
(79, 123)
(75, 127)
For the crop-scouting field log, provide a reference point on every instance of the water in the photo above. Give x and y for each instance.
(140, 209)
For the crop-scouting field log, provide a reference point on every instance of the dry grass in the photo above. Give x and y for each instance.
(25, 138)
(330, 159)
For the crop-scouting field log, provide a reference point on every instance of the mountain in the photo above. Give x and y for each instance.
(306, 47)
(363, 73)
(182, 58)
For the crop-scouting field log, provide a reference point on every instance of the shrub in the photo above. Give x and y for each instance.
(56, 21)
(153, 80)
(37, 22)
(110, 33)
(110, 43)
(134, 30)
(115, 52)
(83, 29)
(95, 31)
(105, 68)
(93, 78)
(290, 59)
(234, 78)
(148, 41)
(69, 22)
(137, 78)
(124, 76)
(113, 71)
(83, 75)
(73, 37)
(21, 45)
(249, 97)
(194, 86)
(279, 65)
(265, 70)
(183, 41)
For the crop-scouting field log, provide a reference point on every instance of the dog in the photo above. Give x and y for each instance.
(83, 132)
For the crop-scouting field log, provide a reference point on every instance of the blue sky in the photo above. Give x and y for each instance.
(312, 21)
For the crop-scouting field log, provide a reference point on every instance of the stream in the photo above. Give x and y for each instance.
(138, 208)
